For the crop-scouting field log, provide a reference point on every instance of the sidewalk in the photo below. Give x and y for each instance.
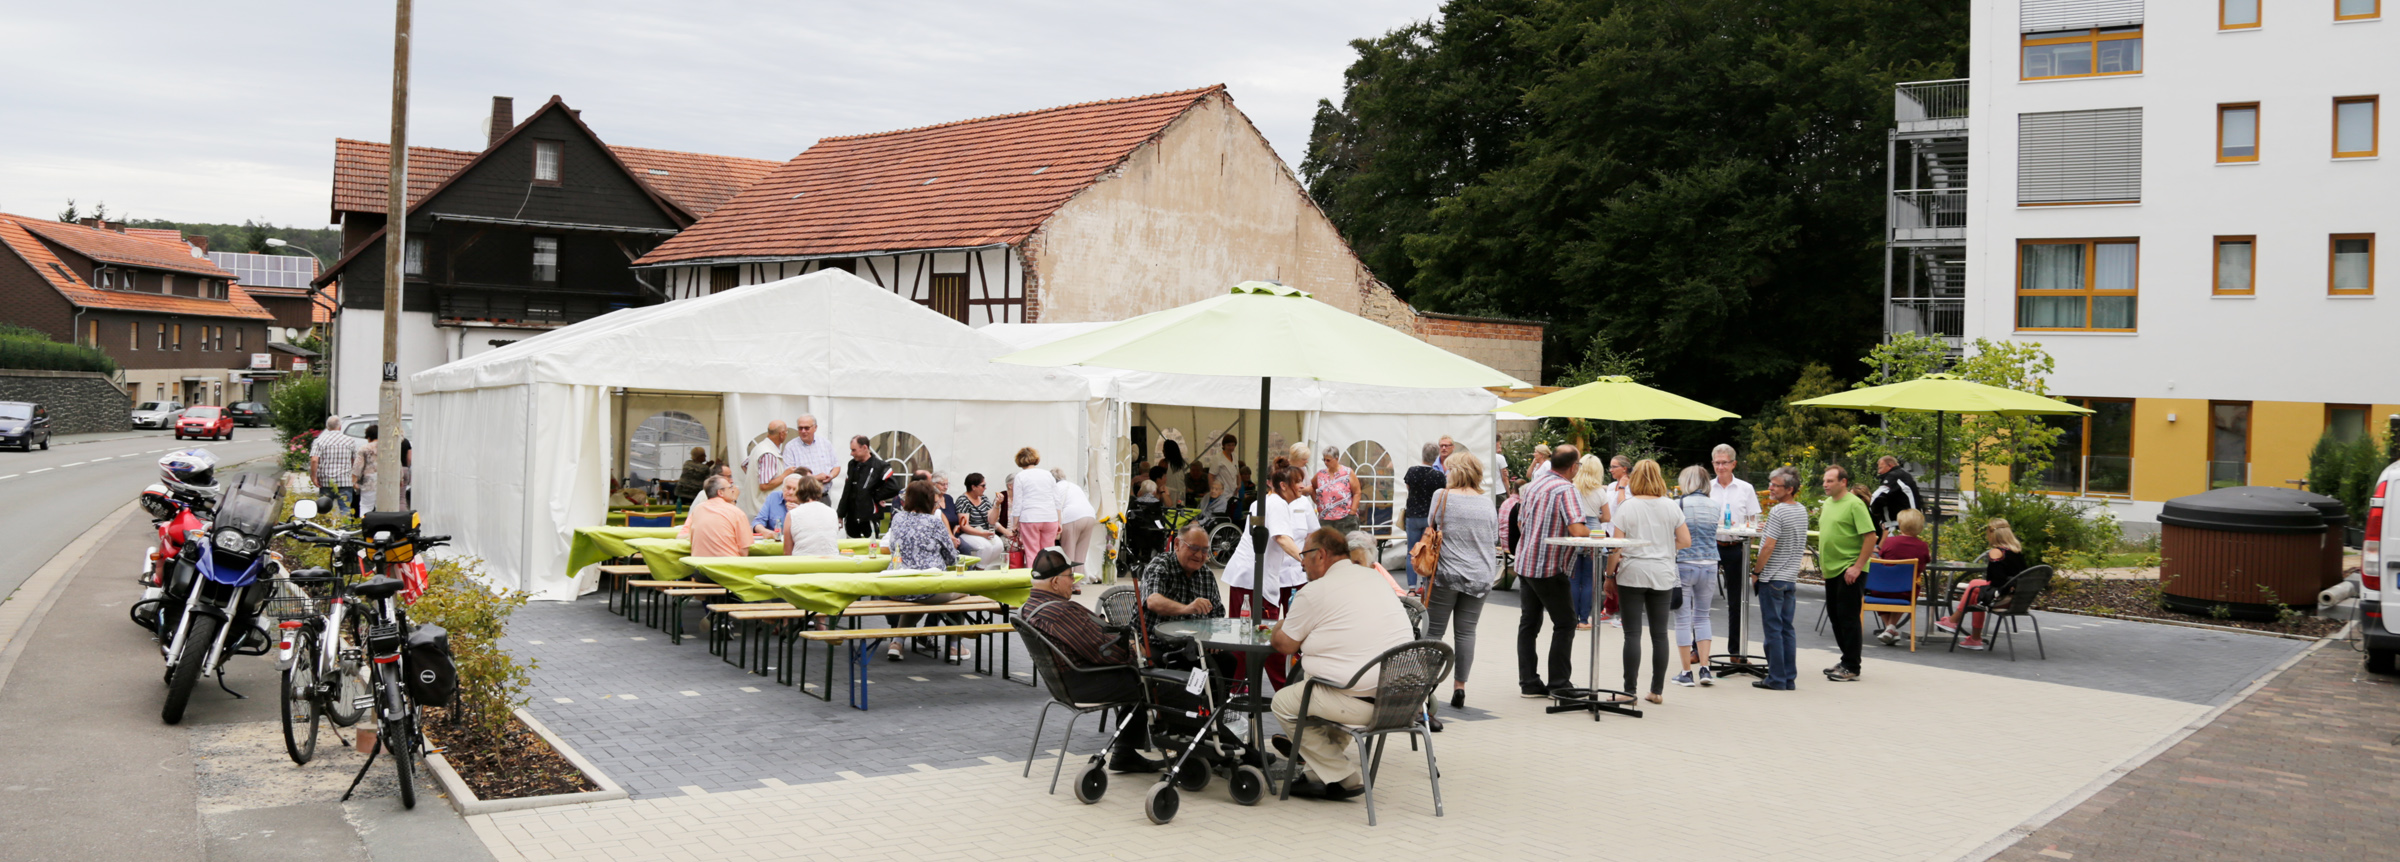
(2305, 768)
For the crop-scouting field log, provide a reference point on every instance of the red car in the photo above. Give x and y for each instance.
(205, 421)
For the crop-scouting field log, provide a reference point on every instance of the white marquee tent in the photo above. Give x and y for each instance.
(1379, 428)
(516, 445)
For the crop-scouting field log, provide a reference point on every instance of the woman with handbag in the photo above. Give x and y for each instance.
(1462, 532)
(1644, 574)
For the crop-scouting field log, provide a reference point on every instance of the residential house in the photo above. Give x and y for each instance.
(175, 322)
(2181, 202)
(1091, 212)
(536, 231)
(279, 283)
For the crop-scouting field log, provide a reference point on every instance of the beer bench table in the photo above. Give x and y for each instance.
(832, 595)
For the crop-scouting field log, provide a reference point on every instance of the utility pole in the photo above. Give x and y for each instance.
(395, 253)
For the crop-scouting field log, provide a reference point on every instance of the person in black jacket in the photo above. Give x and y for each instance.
(1895, 492)
(867, 490)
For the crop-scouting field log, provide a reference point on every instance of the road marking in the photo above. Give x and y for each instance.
(75, 464)
(100, 459)
(9, 476)
(689, 693)
(43, 470)
(562, 700)
(750, 689)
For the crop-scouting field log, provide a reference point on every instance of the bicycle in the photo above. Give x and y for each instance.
(379, 634)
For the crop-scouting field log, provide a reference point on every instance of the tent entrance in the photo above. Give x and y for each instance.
(657, 431)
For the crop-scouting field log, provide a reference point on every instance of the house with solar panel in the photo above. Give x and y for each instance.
(177, 325)
(1090, 212)
(537, 230)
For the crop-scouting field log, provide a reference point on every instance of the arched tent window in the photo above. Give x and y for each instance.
(1373, 466)
(659, 446)
(907, 453)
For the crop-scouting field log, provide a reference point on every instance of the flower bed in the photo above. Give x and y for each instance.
(516, 764)
(2139, 600)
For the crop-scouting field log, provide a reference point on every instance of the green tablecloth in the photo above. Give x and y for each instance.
(593, 544)
(830, 593)
(616, 517)
(665, 556)
(740, 574)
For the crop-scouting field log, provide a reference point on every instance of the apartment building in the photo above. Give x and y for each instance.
(2182, 202)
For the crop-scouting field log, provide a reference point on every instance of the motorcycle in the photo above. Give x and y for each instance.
(210, 608)
(180, 506)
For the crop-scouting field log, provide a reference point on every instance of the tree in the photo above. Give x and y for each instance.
(1635, 440)
(1701, 181)
(1978, 446)
(1803, 437)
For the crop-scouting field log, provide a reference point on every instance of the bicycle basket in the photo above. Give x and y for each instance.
(294, 607)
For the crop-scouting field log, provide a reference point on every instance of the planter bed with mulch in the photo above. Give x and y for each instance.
(518, 765)
(2138, 600)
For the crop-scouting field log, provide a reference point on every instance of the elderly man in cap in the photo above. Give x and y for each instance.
(1344, 618)
(1077, 632)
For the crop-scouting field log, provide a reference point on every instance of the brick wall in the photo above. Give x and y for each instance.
(1512, 346)
(80, 402)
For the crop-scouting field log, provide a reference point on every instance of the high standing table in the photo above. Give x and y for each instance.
(1735, 583)
(1593, 699)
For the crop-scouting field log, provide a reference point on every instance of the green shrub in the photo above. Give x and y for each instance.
(2346, 471)
(2053, 529)
(28, 348)
(298, 405)
(491, 683)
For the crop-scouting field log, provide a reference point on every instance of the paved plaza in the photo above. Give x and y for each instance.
(1933, 755)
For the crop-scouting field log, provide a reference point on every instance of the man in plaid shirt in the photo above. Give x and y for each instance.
(1548, 508)
(329, 465)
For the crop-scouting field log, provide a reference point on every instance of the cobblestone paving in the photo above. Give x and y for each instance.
(2305, 768)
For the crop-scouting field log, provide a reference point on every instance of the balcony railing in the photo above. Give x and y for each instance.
(1928, 215)
(1934, 318)
(1922, 101)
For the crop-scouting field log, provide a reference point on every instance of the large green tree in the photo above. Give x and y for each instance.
(1700, 181)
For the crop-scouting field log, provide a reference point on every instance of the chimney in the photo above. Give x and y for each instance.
(198, 239)
(504, 118)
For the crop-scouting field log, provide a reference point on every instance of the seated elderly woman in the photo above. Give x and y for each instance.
(695, 471)
(810, 526)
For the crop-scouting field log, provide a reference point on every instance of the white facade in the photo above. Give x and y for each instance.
(2291, 341)
(993, 288)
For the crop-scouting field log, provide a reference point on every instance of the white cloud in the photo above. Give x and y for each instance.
(229, 111)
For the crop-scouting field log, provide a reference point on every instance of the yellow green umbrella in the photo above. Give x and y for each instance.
(1614, 399)
(1941, 395)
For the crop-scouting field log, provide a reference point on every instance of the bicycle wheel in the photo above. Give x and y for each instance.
(197, 639)
(298, 697)
(399, 731)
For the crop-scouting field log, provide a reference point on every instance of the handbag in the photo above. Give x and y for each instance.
(1426, 557)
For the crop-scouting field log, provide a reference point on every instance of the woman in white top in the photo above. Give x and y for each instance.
(1290, 517)
(1591, 484)
(1032, 504)
(1076, 517)
(1644, 575)
(809, 526)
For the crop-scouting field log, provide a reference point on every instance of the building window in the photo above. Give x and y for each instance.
(2237, 14)
(2083, 53)
(2357, 10)
(2228, 444)
(2237, 132)
(237, 338)
(2076, 284)
(2094, 453)
(217, 341)
(413, 262)
(162, 336)
(2079, 157)
(108, 280)
(166, 283)
(91, 333)
(547, 156)
(2354, 133)
(2236, 267)
(2352, 264)
(133, 336)
(545, 259)
(178, 340)
(1377, 490)
(2346, 423)
(723, 278)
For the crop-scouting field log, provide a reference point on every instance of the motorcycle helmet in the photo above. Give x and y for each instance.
(192, 471)
(157, 502)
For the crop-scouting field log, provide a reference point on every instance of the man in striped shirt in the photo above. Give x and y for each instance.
(1549, 508)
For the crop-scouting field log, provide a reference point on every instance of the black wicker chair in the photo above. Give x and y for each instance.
(1052, 667)
(1407, 675)
(1117, 607)
(2002, 616)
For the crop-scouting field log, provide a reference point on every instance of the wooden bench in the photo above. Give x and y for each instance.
(645, 607)
(613, 578)
(674, 599)
(747, 621)
(862, 647)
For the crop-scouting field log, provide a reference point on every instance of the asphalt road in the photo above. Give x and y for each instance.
(49, 498)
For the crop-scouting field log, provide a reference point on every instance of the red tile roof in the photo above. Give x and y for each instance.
(108, 246)
(955, 185)
(157, 233)
(698, 182)
(18, 234)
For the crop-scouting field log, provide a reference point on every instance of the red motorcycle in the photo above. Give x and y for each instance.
(181, 506)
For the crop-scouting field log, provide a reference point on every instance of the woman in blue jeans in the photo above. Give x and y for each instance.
(1422, 481)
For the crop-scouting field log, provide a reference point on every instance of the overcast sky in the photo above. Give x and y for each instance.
(219, 112)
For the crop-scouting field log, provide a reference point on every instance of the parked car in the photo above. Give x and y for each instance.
(247, 414)
(157, 414)
(206, 420)
(356, 424)
(24, 424)
(2379, 577)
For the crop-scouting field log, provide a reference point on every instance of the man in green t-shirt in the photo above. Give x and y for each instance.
(1846, 536)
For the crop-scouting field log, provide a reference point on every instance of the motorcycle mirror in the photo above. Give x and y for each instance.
(304, 510)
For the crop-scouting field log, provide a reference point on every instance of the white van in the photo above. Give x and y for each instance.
(2379, 576)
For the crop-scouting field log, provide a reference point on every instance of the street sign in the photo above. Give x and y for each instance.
(299, 366)
(261, 361)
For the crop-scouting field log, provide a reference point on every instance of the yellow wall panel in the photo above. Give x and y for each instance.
(2379, 418)
(2281, 433)
(2170, 459)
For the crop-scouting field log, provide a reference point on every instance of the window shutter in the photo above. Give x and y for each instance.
(2079, 156)
(2035, 16)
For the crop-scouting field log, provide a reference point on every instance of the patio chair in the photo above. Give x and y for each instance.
(2022, 591)
(1052, 666)
(1116, 607)
(1406, 675)
(1892, 577)
(644, 519)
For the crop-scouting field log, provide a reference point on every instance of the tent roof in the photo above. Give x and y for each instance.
(1240, 393)
(826, 333)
